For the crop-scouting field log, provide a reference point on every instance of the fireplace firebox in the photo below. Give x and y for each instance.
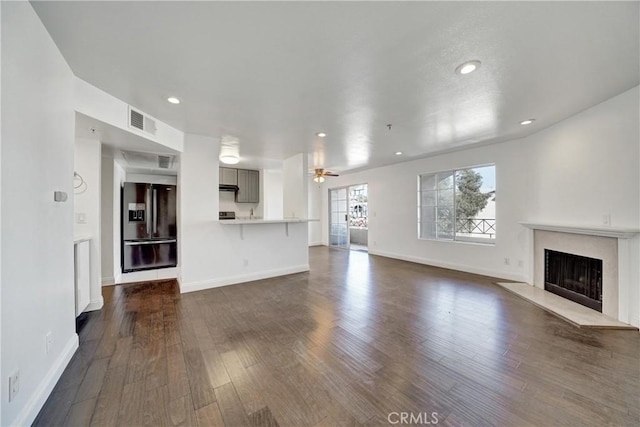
(574, 277)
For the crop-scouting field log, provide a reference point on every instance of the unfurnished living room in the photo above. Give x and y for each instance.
(320, 213)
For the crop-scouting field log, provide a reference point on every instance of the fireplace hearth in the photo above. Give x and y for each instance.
(574, 277)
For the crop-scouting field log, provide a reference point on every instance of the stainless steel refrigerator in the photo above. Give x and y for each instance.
(149, 228)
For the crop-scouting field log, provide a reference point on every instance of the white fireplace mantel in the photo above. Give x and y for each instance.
(615, 232)
(619, 284)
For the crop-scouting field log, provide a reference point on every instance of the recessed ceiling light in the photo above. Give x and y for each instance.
(468, 67)
(527, 122)
(398, 153)
(173, 100)
(321, 134)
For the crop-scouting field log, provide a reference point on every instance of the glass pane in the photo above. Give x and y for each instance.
(427, 182)
(445, 180)
(342, 206)
(428, 213)
(427, 230)
(445, 224)
(445, 198)
(428, 198)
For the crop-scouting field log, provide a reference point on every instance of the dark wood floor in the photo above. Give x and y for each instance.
(357, 338)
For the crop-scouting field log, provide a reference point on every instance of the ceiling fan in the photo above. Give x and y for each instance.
(321, 173)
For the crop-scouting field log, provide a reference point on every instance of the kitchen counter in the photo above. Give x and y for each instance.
(265, 221)
(252, 222)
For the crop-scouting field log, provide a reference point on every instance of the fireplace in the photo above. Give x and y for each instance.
(574, 277)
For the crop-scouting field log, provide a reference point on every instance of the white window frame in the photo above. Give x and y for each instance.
(456, 237)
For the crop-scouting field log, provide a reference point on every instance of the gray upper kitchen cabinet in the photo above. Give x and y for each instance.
(248, 186)
(228, 176)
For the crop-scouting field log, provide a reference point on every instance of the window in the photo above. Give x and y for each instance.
(458, 205)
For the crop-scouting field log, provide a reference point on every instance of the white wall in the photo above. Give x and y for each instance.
(119, 177)
(212, 254)
(294, 194)
(272, 192)
(106, 219)
(0, 197)
(86, 201)
(315, 211)
(93, 102)
(573, 172)
(37, 233)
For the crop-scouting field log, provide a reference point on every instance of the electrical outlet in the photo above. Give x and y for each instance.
(49, 341)
(14, 385)
(507, 261)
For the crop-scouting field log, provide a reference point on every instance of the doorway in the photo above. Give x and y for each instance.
(349, 217)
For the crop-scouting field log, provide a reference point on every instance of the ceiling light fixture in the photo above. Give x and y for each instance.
(321, 134)
(318, 179)
(468, 67)
(173, 100)
(398, 153)
(229, 150)
(527, 122)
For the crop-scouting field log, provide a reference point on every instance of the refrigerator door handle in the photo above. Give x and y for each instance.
(155, 211)
(150, 242)
(147, 201)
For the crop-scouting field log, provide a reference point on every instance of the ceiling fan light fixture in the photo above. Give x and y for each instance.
(319, 179)
(468, 67)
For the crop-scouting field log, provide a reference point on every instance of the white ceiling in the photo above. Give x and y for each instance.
(274, 74)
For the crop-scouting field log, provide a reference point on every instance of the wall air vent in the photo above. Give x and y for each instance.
(141, 121)
(165, 162)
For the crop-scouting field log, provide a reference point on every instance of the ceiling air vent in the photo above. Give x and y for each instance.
(141, 121)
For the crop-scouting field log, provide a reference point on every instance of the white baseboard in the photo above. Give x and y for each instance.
(108, 281)
(241, 278)
(95, 304)
(452, 266)
(38, 399)
(318, 243)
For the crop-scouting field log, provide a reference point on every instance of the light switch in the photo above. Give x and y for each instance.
(81, 218)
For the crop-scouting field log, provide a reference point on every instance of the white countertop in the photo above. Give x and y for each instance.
(81, 238)
(265, 221)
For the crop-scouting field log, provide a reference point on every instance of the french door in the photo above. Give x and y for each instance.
(338, 218)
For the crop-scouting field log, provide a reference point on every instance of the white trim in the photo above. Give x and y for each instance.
(451, 266)
(617, 232)
(95, 304)
(44, 389)
(108, 281)
(318, 243)
(241, 278)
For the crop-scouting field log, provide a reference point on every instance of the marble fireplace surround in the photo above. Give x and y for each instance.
(610, 244)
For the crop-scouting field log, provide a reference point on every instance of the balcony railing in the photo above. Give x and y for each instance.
(485, 227)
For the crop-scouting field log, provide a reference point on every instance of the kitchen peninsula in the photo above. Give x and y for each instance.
(285, 221)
